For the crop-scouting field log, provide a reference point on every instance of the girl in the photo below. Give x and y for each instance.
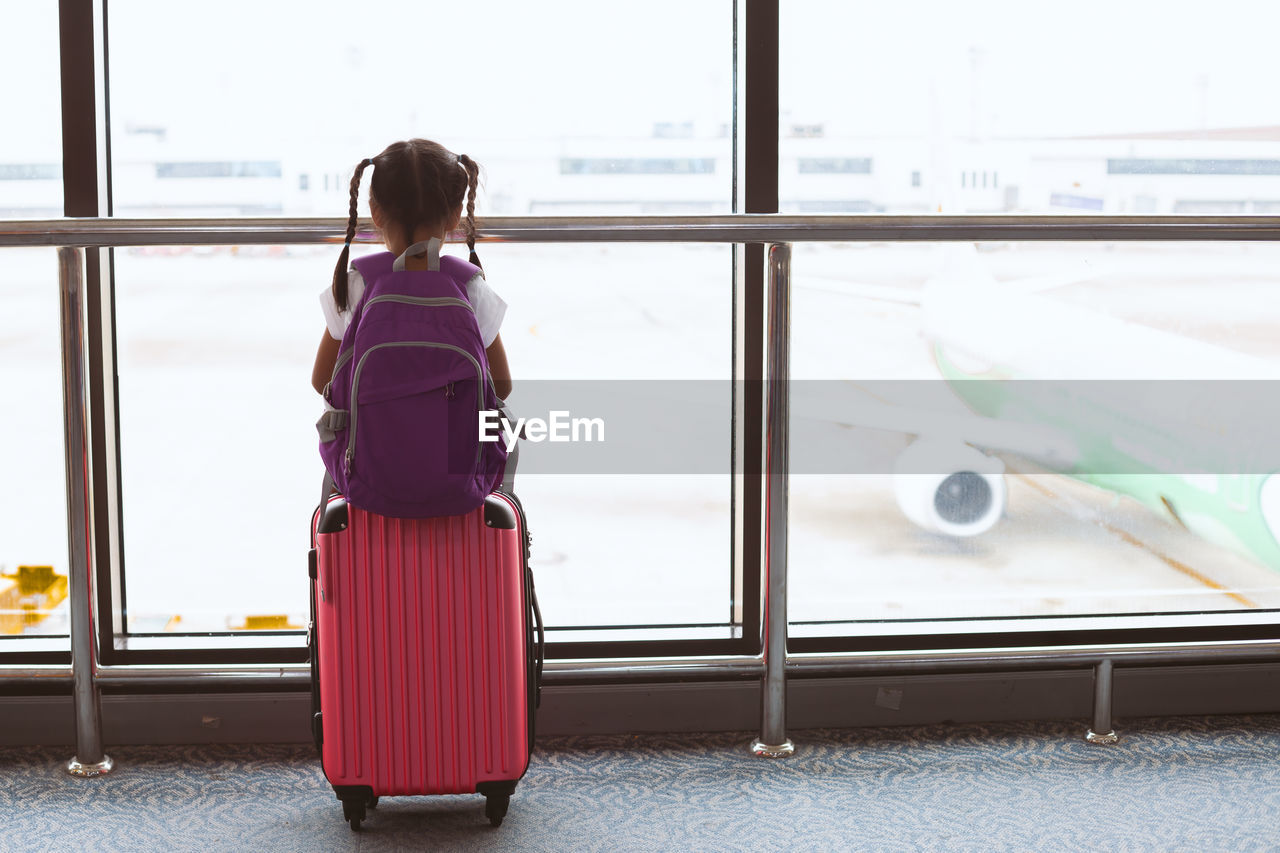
(416, 194)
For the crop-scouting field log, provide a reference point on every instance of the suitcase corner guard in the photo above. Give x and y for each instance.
(499, 513)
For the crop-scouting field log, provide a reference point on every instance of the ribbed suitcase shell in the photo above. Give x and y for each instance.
(421, 634)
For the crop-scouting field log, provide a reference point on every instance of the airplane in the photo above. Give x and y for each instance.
(1178, 424)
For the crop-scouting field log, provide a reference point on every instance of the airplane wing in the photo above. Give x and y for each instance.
(853, 405)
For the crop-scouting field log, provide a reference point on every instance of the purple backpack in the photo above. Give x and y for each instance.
(409, 383)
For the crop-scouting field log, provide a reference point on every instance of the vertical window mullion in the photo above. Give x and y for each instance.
(79, 117)
(758, 183)
(78, 26)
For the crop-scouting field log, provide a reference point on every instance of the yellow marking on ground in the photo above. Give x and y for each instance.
(1177, 565)
(29, 595)
(266, 622)
(533, 330)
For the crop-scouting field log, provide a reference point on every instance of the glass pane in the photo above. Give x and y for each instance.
(635, 530)
(219, 467)
(219, 461)
(1033, 429)
(562, 118)
(31, 144)
(33, 510)
(988, 107)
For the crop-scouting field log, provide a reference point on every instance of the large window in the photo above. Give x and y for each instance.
(940, 388)
(1033, 430)
(31, 144)
(33, 516)
(215, 345)
(218, 450)
(998, 106)
(1007, 430)
(562, 112)
(219, 466)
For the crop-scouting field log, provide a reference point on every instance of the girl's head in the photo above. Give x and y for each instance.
(416, 185)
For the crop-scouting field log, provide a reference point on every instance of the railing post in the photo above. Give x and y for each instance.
(1101, 731)
(773, 741)
(89, 759)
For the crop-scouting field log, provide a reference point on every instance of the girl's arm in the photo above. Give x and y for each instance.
(326, 355)
(498, 367)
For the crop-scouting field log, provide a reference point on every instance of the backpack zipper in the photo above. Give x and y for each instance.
(395, 297)
(355, 384)
(342, 359)
(421, 300)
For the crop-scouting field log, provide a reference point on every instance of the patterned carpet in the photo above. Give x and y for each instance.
(1175, 784)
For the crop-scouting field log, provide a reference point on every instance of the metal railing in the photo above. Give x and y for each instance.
(774, 663)
(733, 228)
(773, 741)
(89, 759)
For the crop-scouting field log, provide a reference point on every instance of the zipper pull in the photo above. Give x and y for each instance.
(346, 466)
(448, 390)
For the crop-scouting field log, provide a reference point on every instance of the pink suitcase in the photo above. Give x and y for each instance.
(424, 662)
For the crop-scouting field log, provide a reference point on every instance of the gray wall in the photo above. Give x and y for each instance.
(717, 706)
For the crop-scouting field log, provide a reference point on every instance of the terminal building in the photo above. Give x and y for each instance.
(675, 171)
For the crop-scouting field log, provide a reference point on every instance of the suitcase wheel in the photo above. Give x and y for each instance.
(353, 813)
(495, 807)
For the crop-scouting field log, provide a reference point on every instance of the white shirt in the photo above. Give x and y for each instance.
(489, 306)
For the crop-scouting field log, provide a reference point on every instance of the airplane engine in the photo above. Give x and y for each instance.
(949, 487)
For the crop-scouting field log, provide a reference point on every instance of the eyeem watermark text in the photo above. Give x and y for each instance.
(558, 426)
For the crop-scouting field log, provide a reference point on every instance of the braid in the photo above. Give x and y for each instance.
(473, 175)
(340, 271)
(411, 216)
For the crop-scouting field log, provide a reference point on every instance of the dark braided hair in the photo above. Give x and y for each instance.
(473, 178)
(340, 271)
(416, 182)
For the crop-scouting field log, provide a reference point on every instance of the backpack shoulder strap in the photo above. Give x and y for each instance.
(458, 269)
(372, 267)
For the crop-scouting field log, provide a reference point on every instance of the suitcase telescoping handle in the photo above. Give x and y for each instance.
(508, 486)
(327, 488)
(313, 570)
(541, 652)
(513, 452)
